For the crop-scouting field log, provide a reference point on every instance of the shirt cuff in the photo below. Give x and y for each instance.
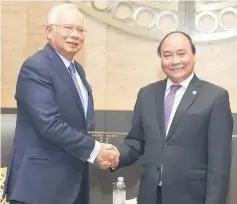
(95, 152)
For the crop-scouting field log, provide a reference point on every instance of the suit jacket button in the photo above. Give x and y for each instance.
(165, 144)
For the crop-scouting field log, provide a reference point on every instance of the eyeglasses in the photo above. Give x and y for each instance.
(70, 28)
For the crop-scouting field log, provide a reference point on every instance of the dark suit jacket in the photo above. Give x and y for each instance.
(51, 147)
(196, 154)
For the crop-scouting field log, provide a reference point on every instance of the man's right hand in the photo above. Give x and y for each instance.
(108, 156)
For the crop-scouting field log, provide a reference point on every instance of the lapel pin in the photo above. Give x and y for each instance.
(194, 92)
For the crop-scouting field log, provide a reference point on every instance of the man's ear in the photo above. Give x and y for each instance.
(48, 31)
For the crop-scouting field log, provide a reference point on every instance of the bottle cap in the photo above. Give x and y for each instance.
(120, 179)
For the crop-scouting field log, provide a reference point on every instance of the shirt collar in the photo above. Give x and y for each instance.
(65, 61)
(184, 83)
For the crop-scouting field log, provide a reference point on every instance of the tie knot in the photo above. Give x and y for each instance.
(71, 68)
(175, 88)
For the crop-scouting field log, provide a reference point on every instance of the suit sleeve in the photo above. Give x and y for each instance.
(219, 150)
(35, 93)
(133, 145)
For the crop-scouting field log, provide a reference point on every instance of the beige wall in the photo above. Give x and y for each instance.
(117, 63)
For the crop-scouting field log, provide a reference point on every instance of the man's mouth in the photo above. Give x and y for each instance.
(73, 43)
(176, 69)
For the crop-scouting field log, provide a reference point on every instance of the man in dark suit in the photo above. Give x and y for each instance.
(52, 149)
(182, 127)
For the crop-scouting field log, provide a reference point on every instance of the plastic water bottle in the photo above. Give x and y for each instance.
(119, 191)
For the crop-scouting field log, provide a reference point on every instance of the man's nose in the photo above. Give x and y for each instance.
(176, 59)
(74, 33)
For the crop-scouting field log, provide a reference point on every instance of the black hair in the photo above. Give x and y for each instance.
(185, 34)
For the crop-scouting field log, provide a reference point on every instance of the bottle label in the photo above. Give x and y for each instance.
(119, 196)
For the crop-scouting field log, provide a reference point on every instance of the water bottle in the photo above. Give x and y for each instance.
(119, 191)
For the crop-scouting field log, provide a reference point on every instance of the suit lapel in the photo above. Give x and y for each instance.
(188, 98)
(90, 108)
(159, 104)
(82, 75)
(62, 71)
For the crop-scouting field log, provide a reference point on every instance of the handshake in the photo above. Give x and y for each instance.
(108, 156)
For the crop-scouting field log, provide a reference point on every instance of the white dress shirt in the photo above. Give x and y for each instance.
(178, 96)
(84, 91)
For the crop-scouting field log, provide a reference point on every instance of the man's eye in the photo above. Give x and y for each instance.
(81, 29)
(68, 27)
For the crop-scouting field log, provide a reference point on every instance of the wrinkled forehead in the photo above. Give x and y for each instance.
(71, 16)
(176, 41)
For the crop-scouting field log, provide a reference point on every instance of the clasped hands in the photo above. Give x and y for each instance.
(108, 156)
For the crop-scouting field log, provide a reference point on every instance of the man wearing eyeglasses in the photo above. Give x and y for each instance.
(52, 149)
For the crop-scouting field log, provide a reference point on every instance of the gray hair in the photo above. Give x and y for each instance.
(56, 11)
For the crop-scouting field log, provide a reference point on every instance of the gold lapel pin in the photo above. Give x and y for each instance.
(194, 92)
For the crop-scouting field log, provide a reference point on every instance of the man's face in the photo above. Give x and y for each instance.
(67, 35)
(177, 59)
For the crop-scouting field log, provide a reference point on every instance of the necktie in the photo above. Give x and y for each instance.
(169, 102)
(74, 78)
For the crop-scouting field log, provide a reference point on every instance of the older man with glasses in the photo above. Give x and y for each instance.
(52, 149)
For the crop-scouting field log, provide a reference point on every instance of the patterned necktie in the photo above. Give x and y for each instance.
(74, 78)
(169, 102)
